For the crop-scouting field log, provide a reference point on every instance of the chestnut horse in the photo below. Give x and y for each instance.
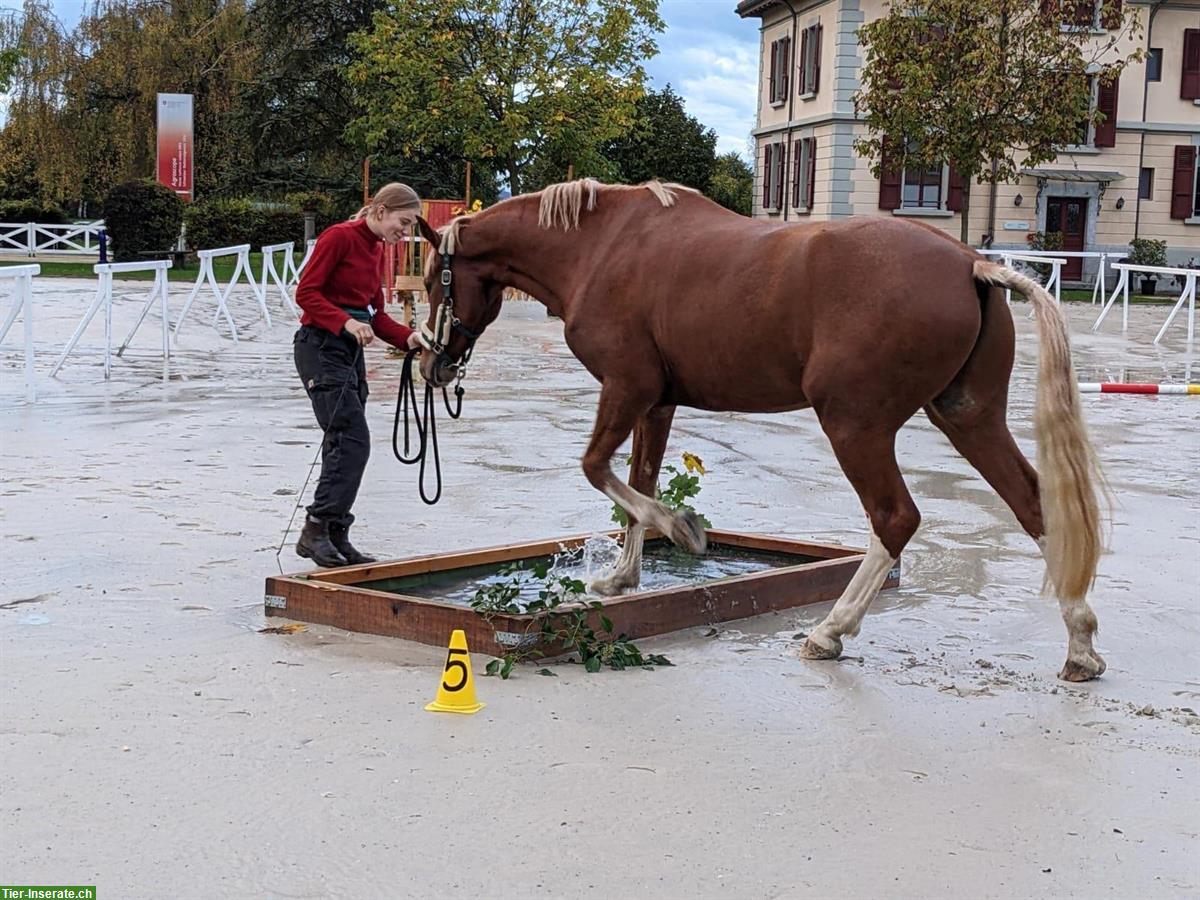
(670, 300)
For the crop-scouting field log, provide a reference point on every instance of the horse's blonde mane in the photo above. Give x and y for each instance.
(561, 204)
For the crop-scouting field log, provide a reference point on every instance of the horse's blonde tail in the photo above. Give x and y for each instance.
(1069, 471)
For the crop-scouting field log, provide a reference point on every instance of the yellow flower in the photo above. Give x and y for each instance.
(693, 463)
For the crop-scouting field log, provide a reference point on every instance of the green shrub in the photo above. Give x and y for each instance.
(21, 211)
(1147, 252)
(142, 217)
(229, 222)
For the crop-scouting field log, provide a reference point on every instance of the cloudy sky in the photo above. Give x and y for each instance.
(707, 54)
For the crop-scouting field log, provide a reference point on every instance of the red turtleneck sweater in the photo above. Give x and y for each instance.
(346, 269)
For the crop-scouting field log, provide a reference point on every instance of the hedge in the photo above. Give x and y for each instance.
(22, 211)
(142, 218)
(229, 222)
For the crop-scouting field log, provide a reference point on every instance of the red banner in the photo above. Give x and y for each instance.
(175, 143)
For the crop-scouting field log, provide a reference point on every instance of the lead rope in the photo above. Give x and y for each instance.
(425, 425)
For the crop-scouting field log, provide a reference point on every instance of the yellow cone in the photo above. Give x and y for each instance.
(456, 693)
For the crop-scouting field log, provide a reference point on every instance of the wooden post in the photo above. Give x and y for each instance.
(468, 192)
(571, 172)
(366, 180)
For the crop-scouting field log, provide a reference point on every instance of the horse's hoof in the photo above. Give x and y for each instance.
(819, 647)
(611, 585)
(687, 531)
(1083, 669)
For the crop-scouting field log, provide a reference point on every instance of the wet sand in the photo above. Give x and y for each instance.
(155, 744)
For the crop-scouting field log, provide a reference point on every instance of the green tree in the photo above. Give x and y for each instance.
(502, 81)
(988, 86)
(84, 104)
(665, 143)
(732, 183)
(9, 57)
(297, 104)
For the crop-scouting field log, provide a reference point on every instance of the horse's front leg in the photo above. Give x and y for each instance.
(649, 443)
(622, 406)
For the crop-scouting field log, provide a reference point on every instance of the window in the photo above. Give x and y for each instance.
(808, 75)
(908, 186)
(773, 171)
(1189, 82)
(1146, 184)
(1085, 130)
(804, 158)
(922, 187)
(1185, 183)
(1154, 64)
(780, 66)
(1084, 13)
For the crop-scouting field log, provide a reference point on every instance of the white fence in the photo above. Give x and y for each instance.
(104, 301)
(207, 276)
(1187, 296)
(21, 278)
(31, 238)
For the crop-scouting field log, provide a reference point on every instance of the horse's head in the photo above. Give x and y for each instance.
(463, 301)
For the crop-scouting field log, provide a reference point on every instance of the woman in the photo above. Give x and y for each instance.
(340, 293)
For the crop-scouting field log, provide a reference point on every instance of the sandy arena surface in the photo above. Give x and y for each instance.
(156, 745)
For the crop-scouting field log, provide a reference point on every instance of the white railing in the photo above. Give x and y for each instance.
(22, 279)
(32, 238)
(294, 277)
(104, 300)
(206, 276)
(271, 273)
(1040, 255)
(1188, 296)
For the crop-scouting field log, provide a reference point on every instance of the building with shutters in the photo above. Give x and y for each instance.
(1135, 175)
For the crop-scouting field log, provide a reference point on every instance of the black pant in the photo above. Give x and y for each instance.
(334, 374)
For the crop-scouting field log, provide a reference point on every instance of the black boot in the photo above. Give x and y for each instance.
(314, 544)
(339, 533)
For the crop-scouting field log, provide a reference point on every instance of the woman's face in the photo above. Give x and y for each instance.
(393, 224)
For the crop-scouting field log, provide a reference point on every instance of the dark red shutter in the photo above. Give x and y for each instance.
(774, 68)
(780, 174)
(816, 84)
(1106, 131)
(796, 170)
(954, 195)
(891, 176)
(801, 84)
(785, 66)
(1183, 184)
(812, 171)
(1111, 15)
(766, 195)
(1084, 13)
(1189, 85)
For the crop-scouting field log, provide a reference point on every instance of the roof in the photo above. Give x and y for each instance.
(747, 8)
(1078, 175)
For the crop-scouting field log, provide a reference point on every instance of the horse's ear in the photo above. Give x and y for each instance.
(429, 232)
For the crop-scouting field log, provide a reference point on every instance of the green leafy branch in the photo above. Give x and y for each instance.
(565, 627)
(682, 487)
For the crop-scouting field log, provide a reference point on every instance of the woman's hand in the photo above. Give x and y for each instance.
(360, 331)
(414, 341)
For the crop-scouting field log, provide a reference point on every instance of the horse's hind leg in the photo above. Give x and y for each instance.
(622, 406)
(867, 456)
(649, 443)
(986, 443)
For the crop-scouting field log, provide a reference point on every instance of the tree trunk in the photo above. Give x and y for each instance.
(966, 210)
